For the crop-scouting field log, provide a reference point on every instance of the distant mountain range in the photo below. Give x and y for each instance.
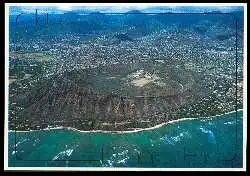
(133, 22)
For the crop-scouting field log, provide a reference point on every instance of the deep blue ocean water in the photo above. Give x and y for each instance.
(210, 142)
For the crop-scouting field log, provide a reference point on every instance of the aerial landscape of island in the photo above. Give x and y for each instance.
(125, 86)
(121, 72)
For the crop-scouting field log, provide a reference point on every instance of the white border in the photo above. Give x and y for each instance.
(245, 89)
(6, 167)
(6, 113)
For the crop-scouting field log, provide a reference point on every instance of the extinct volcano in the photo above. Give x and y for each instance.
(117, 97)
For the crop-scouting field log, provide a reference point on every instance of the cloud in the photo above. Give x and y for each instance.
(65, 7)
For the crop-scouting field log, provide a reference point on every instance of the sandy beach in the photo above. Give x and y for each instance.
(132, 131)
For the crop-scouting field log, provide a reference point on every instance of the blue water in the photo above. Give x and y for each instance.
(210, 142)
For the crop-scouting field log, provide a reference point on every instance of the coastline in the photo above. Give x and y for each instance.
(125, 132)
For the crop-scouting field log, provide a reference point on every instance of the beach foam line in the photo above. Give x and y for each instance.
(132, 131)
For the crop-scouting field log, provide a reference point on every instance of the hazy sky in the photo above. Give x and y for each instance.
(61, 8)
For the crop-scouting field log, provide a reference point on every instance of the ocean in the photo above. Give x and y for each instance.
(215, 142)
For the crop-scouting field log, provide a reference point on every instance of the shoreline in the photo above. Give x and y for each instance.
(125, 132)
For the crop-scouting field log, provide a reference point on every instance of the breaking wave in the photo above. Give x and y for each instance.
(210, 134)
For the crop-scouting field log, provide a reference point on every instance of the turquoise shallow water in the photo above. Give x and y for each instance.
(210, 142)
